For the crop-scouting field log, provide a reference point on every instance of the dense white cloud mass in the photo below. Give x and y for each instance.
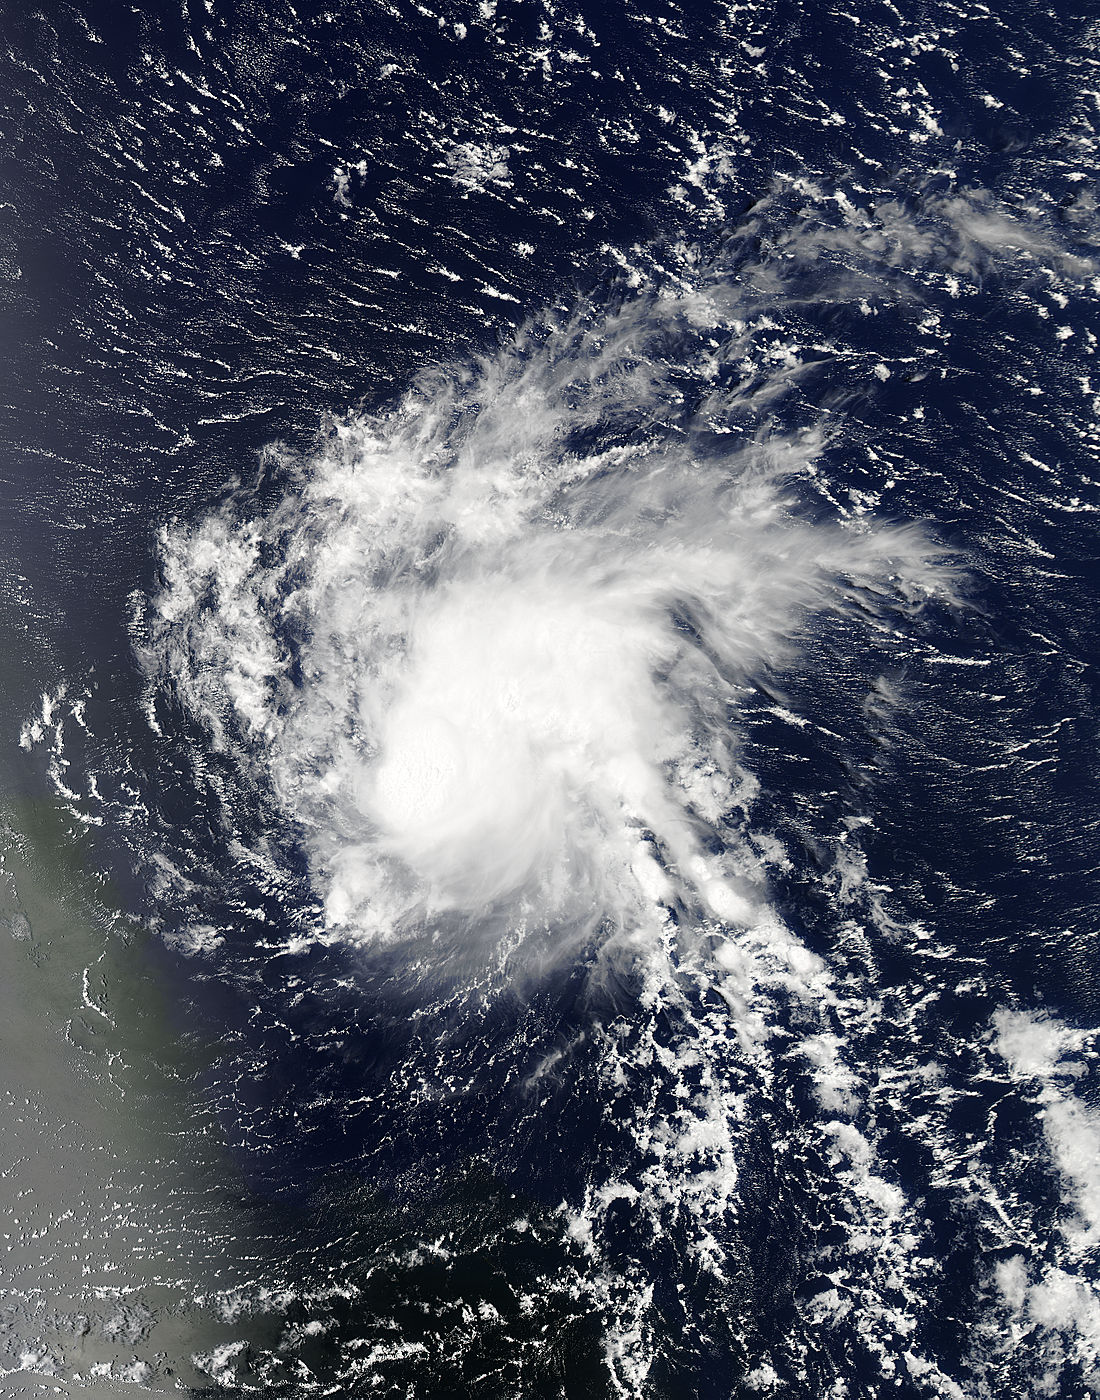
(487, 650)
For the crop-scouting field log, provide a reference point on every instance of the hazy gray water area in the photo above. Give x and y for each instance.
(120, 1205)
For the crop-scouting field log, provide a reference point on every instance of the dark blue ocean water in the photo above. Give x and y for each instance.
(762, 335)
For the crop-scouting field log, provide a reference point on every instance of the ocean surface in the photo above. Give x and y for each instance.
(548, 700)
